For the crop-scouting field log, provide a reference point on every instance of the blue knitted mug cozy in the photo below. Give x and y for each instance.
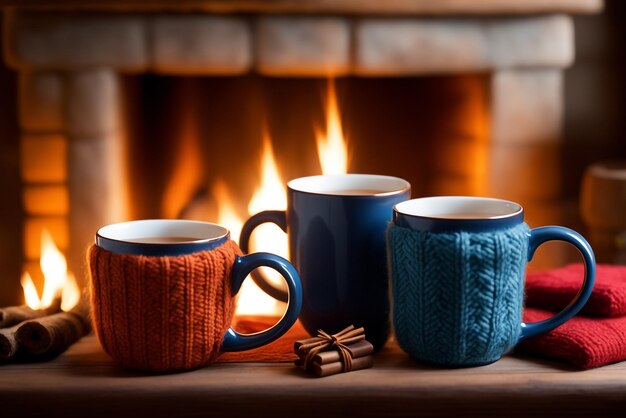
(458, 296)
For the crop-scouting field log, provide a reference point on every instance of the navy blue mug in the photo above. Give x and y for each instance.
(336, 227)
(457, 269)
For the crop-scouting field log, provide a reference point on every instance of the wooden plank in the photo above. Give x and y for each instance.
(358, 7)
(84, 382)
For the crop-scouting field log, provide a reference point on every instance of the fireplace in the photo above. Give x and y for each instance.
(157, 113)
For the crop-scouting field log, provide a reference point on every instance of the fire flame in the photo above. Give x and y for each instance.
(58, 282)
(271, 194)
(332, 148)
(226, 213)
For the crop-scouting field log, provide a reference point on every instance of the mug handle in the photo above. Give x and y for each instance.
(544, 234)
(278, 217)
(233, 341)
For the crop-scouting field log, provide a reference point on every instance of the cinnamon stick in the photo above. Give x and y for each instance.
(53, 334)
(359, 349)
(12, 315)
(8, 343)
(323, 370)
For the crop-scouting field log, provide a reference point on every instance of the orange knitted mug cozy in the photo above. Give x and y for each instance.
(162, 313)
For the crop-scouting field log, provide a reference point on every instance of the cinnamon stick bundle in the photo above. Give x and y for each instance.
(360, 349)
(53, 334)
(12, 315)
(328, 363)
(325, 354)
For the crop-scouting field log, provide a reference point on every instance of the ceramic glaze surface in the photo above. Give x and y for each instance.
(337, 243)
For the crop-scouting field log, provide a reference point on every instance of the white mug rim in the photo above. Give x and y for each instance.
(333, 184)
(163, 228)
(418, 208)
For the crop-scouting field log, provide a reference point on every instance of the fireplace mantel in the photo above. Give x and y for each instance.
(84, 382)
(357, 7)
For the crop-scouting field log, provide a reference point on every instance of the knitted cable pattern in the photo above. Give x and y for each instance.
(457, 296)
(162, 313)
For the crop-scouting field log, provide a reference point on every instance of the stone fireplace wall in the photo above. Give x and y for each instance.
(70, 107)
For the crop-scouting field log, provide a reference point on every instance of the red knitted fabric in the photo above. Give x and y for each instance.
(162, 313)
(554, 289)
(583, 342)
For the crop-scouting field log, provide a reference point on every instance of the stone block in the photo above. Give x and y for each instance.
(43, 158)
(45, 200)
(303, 46)
(41, 102)
(56, 225)
(546, 41)
(415, 46)
(200, 45)
(390, 46)
(93, 103)
(39, 40)
(527, 106)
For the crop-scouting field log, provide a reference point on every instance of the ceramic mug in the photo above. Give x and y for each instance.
(603, 209)
(336, 229)
(163, 293)
(457, 268)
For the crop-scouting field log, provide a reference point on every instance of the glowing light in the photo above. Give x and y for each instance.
(188, 166)
(30, 291)
(226, 213)
(70, 296)
(332, 148)
(58, 283)
(251, 300)
(270, 195)
(54, 268)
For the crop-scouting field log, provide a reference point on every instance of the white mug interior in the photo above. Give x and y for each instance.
(459, 207)
(136, 231)
(338, 184)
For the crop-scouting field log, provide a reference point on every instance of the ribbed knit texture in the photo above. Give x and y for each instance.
(457, 296)
(583, 342)
(554, 289)
(162, 313)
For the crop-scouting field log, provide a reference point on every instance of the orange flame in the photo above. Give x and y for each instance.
(270, 195)
(226, 213)
(332, 148)
(58, 282)
(251, 300)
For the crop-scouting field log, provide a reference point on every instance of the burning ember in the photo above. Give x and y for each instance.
(58, 283)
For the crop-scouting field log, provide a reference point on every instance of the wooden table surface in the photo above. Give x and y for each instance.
(84, 382)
